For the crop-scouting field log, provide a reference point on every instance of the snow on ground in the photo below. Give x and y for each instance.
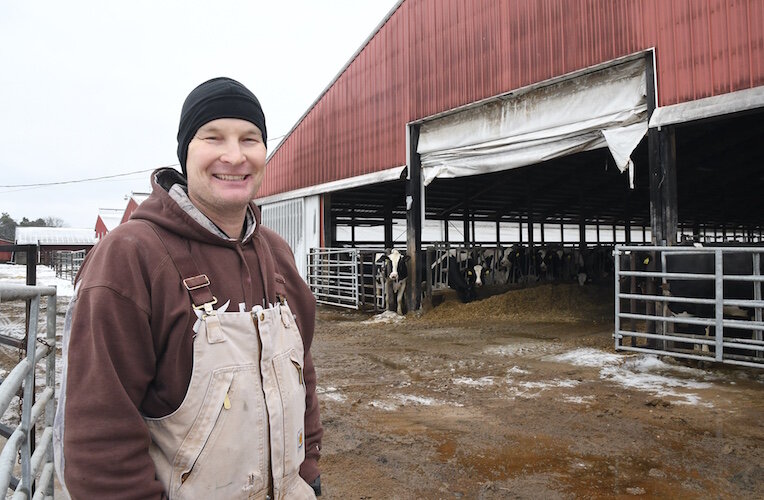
(330, 393)
(522, 349)
(384, 317)
(643, 372)
(579, 400)
(481, 382)
(549, 384)
(46, 276)
(400, 400)
(588, 357)
(518, 371)
(383, 405)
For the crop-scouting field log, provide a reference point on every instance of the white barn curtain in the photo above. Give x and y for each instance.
(606, 108)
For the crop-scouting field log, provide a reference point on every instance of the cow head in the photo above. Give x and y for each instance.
(474, 275)
(396, 268)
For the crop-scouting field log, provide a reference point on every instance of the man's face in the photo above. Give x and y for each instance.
(225, 166)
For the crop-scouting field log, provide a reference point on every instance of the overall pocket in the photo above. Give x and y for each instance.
(225, 452)
(289, 369)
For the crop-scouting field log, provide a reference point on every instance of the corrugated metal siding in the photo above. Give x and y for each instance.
(434, 55)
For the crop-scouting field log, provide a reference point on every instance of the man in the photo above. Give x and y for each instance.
(188, 371)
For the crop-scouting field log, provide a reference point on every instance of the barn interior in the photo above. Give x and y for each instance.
(720, 194)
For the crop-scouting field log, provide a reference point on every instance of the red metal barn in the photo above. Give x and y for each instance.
(5, 256)
(134, 200)
(524, 114)
(108, 219)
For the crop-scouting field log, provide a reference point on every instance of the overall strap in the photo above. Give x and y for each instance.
(197, 284)
(267, 266)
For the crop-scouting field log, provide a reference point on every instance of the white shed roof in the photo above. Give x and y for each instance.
(54, 236)
(111, 217)
(139, 197)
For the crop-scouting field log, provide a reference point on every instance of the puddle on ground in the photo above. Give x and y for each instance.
(582, 476)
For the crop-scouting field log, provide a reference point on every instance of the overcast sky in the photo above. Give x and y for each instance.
(91, 88)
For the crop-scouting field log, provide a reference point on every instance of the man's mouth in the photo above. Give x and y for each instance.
(224, 177)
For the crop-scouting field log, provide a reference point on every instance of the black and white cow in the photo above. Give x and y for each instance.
(733, 264)
(457, 279)
(394, 273)
(739, 264)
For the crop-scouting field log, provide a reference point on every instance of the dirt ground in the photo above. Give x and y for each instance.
(473, 401)
(500, 398)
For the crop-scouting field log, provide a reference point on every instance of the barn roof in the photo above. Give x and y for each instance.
(111, 217)
(428, 57)
(54, 236)
(139, 197)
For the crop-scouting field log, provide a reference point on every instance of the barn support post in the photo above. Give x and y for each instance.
(414, 216)
(581, 224)
(597, 228)
(627, 216)
(352, 227)
(529, 211)
(445, 229)
(661, 153)
(498, 229)
(663, 189)
(388, 223)
(466, 220)
(330, 233)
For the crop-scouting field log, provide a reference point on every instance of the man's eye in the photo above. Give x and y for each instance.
(210, 138)
(251, 140)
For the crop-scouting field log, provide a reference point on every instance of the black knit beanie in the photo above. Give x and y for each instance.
(217, 98)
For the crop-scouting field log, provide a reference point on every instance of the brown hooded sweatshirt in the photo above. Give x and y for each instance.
(130, 339)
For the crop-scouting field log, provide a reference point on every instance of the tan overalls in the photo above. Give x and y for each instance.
(239, 432)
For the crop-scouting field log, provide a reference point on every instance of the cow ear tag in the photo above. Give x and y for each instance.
(646, 261)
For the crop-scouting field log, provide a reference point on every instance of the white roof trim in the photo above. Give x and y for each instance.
(708, 107)
(391, 174)
(54, 236)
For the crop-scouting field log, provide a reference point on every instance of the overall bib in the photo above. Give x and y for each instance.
(239, 432)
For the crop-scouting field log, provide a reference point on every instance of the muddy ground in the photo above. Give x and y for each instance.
(521, 395)
(477, 401)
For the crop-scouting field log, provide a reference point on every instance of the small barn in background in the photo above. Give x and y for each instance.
(5, 256)
(53, 239)
(133, 201)
(108, 219)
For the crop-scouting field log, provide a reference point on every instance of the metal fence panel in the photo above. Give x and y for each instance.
(720, 329)
(36, 453)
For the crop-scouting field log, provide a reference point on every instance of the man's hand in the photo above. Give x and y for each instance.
(316, 485)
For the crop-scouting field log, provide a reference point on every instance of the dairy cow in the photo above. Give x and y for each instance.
(733, 264)
(394, 273)
(458, 280)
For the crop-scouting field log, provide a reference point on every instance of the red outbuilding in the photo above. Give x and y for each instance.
(108, 219)
(133, 201)
(5, 256)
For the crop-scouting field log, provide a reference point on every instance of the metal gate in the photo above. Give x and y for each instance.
(345, 277)
(36, 451)
(67, 263)
(725, 329)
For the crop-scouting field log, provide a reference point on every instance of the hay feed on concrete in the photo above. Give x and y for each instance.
(541, 303)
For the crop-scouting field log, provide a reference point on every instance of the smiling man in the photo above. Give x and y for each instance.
(186, 347)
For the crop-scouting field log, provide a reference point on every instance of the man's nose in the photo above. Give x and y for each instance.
(232, 153)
